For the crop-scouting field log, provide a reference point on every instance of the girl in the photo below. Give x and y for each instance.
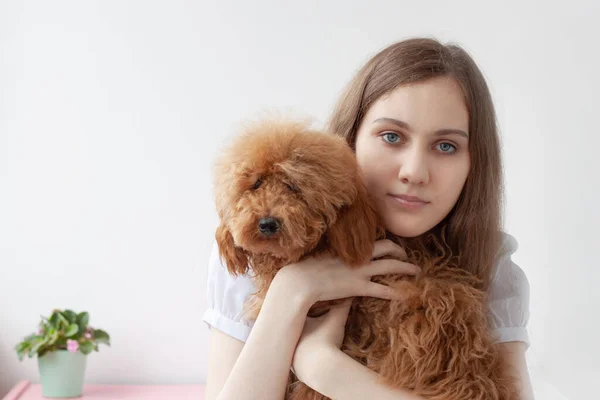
(420, 119)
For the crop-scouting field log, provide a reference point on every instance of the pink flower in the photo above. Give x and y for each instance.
(72, 346)
(39, 331)
(88, 335)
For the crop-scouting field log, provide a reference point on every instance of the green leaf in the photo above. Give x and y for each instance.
(86, 347)
(37, 345)
(63, 320)
(22, 353)
(54, 320)
(30, 337)
(53, 338)
(22, 346)
(72, 330)
(70, 315)
(83, 318)
(101, 337)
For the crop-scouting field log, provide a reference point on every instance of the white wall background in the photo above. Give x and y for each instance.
(111, 112)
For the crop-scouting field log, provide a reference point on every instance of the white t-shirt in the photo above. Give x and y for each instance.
(509, 298)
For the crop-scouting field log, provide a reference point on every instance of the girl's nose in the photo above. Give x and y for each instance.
(413, 167)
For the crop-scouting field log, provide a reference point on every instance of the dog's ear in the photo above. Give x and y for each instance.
(352, 237)
(235, 257)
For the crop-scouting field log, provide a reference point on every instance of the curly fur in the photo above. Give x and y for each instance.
(435, 341)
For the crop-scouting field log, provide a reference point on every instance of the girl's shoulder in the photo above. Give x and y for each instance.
(509, 296)
(225, 297)
(508, 278)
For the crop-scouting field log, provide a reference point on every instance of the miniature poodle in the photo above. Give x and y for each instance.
(284, 192)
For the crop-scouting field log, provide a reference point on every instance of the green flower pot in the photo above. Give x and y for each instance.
(62, 373)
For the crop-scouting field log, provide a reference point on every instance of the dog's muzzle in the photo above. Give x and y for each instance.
(268, 226)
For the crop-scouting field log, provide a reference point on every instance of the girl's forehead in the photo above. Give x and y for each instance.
(431, 105)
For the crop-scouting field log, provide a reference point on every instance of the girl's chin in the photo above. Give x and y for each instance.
(407, 227)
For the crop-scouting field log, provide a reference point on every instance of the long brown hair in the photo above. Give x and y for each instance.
(472, 229)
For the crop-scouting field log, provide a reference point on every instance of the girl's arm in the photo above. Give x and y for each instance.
(515, 354)
(346, 379)
(259, 369)
(319, 363)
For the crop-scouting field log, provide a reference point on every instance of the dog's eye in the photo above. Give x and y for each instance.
(257, 184)
(292, 187)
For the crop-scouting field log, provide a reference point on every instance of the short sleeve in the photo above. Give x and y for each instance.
(509, 297)
(226, 295)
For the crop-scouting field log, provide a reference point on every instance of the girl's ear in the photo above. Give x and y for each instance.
(352, 237)
(235, 257)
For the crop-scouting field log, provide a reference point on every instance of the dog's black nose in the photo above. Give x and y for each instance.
(268, 226)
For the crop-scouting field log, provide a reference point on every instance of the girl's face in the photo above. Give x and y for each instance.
(413, 148)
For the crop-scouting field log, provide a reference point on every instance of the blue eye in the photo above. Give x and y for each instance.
(447, 148)
(391, 137)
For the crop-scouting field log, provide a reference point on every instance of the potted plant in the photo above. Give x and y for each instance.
(62, 343)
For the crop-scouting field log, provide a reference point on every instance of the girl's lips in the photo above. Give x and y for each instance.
(409, 202)
(414, 199)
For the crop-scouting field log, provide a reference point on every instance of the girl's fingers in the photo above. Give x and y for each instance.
(391, 266)
(388, 248)
(380, 291)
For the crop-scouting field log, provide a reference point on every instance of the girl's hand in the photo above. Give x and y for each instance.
(319, 338)
(320, 279)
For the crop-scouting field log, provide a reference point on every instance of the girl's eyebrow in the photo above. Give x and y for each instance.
(404, 125)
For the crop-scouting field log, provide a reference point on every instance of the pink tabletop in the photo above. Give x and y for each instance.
(25, 390)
